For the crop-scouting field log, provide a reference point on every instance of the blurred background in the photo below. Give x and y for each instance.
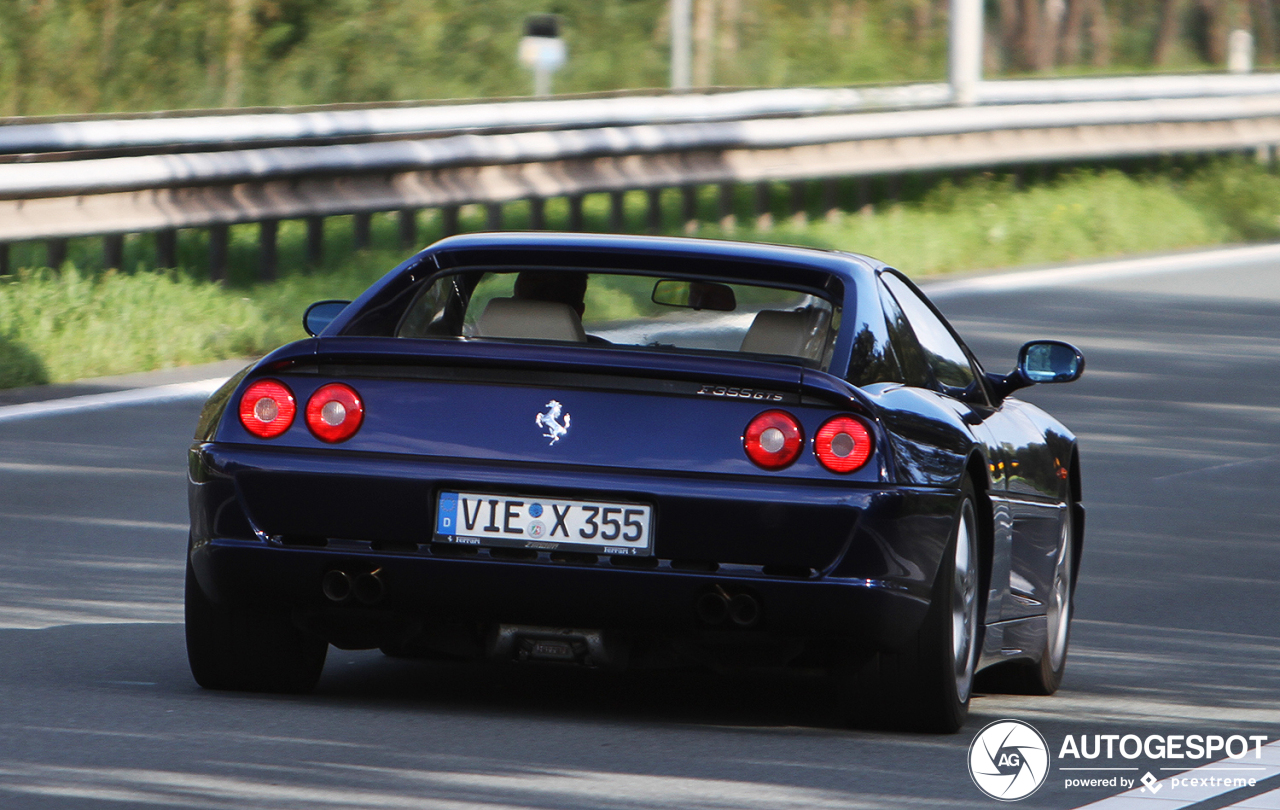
(93, 56)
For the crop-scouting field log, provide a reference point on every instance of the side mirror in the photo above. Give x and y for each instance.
(1040, 361)
(320, 314)
(1050, 361)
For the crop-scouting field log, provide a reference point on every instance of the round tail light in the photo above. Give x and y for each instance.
(773, 440)
(267, 408)
(843, 444)
(334, 412)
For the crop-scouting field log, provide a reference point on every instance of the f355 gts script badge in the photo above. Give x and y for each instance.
(549, 421)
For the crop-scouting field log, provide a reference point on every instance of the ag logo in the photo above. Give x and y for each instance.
(1008, 760)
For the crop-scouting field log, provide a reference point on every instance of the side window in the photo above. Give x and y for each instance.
(915, 371)
(944, 360)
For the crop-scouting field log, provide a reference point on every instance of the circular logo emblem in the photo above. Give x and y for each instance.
(536, 529)
(1009, 760)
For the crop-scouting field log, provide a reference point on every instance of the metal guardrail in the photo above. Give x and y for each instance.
(245, 130)
(25, 181)
(113, 196)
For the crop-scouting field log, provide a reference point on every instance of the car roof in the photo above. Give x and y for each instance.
(746, 260)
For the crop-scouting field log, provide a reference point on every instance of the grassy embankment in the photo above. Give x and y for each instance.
(81, 320)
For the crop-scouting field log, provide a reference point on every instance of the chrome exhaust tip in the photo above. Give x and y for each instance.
(744, 610)
(712, 607)
(368, 588)
(336, 586)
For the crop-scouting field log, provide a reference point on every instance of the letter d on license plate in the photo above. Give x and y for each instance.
(600, 527)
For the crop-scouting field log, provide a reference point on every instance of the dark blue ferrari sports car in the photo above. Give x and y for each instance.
(617, 450)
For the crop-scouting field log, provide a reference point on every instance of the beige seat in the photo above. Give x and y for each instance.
(530, 320)
(776, 331)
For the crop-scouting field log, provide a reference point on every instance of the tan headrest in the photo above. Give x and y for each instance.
(778, 332)
(530, 320)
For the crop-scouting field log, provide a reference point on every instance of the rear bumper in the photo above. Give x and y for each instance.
(838, 560)
(420, 587)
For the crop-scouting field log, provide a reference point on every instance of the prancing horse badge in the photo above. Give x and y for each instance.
(549, 421)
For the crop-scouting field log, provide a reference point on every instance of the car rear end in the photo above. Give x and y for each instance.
(561, 500)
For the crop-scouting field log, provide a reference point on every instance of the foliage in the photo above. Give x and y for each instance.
(83, 56)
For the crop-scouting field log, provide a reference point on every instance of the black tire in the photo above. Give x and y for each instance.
(926, 684)
(249, 651)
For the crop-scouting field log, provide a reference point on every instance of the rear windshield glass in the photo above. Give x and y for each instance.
(607, 309)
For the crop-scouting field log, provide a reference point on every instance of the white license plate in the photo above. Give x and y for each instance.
(547, 524)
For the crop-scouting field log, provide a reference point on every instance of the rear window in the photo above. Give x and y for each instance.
(638, 311)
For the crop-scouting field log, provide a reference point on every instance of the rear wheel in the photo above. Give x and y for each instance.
(926, 684)
(252, 651)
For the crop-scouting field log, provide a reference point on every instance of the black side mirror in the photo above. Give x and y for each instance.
(1050, 361)
(1040, 361)
(320, 314)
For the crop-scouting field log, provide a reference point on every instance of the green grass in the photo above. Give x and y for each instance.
(83, 320)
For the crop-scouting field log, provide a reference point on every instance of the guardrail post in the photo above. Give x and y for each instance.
(724, 203)
(862, 193)
(407, 219)
(493, 216)
(268, 229)
(537, 214)
(55, 252)
(4, 258)
(655, 209)
(831, 199)
(315, 241)
(449, 220)
(575, 212)
(764, 207)
(113, 250)
(617, 211)
(218, 239)
(689, 209)
(362, 227)
(799, 209)
(167, 248)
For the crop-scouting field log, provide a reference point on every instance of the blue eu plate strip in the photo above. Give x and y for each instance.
(447, 514)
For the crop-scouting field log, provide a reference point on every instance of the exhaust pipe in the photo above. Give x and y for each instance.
(336, 586)
(369, 588)
(744, 610)
(712, 607)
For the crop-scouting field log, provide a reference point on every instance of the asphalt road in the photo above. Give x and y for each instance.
(1177, 629)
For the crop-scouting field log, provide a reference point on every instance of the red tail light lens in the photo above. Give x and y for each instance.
(335, 412)
(267, 408)
(843, 444)
(773, 440)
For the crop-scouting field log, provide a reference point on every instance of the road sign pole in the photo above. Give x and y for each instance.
(681, 44)
(966, 51)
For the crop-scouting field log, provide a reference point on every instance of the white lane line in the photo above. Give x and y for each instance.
(113, 399)
(1263, 801)
(1169, 797)
(1216, 259)
(92, 521)
(75, 469)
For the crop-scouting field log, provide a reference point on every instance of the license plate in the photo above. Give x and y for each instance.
(545, 524)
